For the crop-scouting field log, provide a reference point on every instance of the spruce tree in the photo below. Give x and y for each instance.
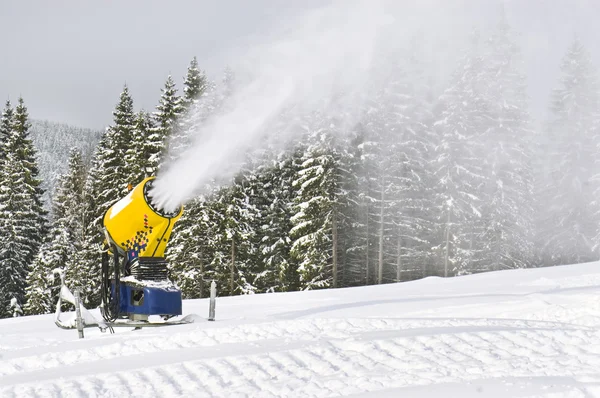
(458, 168)
(507, 215)
(568, 223)
(17, 221)
(106, 183)
(139, 162)
(65, 240)
(316, 186)
(6, 121)
(270, 192)
(194, 103)
(43, 283)
(87, 262)
(22, 217)
(236, 249)
(124, 146)
(190, 249)
(353, 215)
(165, 121)
(117, 153)
(194, 85)
(397, 143)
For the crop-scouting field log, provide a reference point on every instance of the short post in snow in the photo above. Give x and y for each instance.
(78, 319)
(213, 301)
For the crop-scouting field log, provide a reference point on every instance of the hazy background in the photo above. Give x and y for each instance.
(69, 59)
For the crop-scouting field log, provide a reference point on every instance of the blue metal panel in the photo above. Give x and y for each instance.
(156, 300)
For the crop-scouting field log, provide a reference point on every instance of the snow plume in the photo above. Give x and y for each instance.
(307, 67)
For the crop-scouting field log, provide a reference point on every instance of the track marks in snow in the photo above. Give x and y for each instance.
(326, 357)
(301, 331)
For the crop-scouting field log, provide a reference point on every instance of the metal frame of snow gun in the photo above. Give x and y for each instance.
(88, 319)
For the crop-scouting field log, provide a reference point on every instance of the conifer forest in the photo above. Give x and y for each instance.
(425, 183)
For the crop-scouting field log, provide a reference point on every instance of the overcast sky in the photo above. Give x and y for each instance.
(70, 59)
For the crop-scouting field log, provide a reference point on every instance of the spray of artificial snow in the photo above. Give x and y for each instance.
(320, 62)
(323, 53)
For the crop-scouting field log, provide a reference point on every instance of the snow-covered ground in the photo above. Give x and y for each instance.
(506, 334)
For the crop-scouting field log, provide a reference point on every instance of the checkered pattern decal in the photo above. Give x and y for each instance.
(138, 243)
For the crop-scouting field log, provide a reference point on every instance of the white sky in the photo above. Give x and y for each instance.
(69, 59)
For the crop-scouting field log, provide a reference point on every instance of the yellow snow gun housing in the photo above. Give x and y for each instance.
(137, 227)
(137, 232)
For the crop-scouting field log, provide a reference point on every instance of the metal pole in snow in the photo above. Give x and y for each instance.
(213, 301)
(78, 314)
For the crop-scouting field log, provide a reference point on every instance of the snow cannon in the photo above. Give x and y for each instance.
(136, 285)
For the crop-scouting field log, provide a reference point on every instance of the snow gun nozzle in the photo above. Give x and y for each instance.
(161, 206)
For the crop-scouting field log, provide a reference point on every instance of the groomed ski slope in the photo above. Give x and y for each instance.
(522, 333)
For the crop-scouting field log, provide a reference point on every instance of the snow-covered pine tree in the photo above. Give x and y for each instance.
(348, 228)
(353, 214)
(121, 136)
(138, 162)
(106, 183)
(169, 109)
(458, 169)
(380, 163)
(194, 85)
(65, 240)
(314, 207)
(87, 262)
(215, 242)
(197, 247)
(118, 152)
(507, 215)
(70, 210)
(237, 248)
(23, 222)
(396, 148)
(212, 238)
(195, 106)
(42, 283)
(270, 193)
(16, 223)
(6, 121)
(569, 219)
(68, 202)
(190, 248)
(20, 142)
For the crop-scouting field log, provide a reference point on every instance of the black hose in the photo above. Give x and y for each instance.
(105, 287)
(110, 303)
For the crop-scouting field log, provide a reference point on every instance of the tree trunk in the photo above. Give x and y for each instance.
(447, 245)
(343, 262)
(399, 258)
(232, 267)
(201, 273)
(367, 245)
(380, 260)
(470, 263)
(334, 238)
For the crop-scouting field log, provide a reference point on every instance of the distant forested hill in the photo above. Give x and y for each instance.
(53, 142)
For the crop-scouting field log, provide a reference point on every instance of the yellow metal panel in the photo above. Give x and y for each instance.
(136, 228)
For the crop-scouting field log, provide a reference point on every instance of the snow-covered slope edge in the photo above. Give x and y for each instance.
(512, 333)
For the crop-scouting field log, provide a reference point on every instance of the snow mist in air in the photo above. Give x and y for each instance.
(325, 53)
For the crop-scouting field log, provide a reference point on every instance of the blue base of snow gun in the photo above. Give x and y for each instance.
(145, 300)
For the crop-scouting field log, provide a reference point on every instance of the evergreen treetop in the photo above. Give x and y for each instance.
(194, 85)
(6, 125)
